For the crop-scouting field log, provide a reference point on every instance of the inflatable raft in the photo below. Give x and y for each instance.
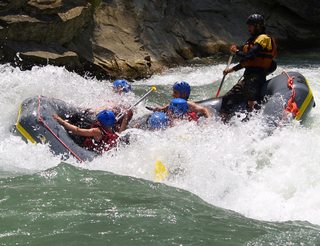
(285, 94)
(36, 124)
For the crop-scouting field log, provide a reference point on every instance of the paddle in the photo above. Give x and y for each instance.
(153, 88)
(160, 171)
(224, 76)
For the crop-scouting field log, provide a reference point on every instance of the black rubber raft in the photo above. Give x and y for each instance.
(276, 94)
(36, 124)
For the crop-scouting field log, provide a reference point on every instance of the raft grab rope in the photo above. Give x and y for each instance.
(292, 106)
(40, 120)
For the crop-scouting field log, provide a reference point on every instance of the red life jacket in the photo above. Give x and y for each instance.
(192, 116)
(107, 141)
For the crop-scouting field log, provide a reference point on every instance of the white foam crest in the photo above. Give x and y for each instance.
(50, 81)
(235, 166)
(17, 156)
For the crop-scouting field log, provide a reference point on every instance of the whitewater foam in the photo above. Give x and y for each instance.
(236, 166)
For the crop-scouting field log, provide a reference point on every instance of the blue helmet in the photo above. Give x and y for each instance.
(126, 87)
(178, 106)
(158, 120)
(183, 88)
(106, 118)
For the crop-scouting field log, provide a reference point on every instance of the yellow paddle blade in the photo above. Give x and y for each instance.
(153, 88)
(160, 171)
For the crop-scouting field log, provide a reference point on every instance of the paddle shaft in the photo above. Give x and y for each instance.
(224, 76)
(136, 103)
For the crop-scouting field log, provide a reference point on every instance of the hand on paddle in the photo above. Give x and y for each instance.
(228, 70)
(225, 72)
(233, 49)
(153, 88)
(124, 120)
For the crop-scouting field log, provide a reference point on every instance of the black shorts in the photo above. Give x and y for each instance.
(247, 89)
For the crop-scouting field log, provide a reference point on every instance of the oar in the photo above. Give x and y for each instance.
(119, 116)
(160, 171)
(224, 76)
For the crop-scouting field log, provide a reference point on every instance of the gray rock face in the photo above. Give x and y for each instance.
(135, 38)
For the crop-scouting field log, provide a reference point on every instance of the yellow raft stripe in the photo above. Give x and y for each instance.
(22, 130)
(305, 103)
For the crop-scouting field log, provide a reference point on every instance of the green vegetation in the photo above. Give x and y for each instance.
(95, 3)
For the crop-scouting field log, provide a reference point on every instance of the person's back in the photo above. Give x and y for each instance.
(182, 89)
(158, 121)
(179, 110)
(106, 137)
(120, 104)
(84, 118)
(102, 135)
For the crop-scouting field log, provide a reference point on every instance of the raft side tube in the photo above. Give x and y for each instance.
(35, 122)
(279, 93)
(212, 104)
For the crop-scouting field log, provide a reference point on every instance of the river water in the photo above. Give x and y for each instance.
(228, 184)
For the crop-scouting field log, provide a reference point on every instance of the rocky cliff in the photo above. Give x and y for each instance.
(135, 38)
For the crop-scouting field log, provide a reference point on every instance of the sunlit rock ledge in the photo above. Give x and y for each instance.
(136, 38)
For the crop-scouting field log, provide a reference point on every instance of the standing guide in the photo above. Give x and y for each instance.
(256, 57)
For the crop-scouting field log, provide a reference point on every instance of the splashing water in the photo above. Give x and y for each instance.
(236, 166)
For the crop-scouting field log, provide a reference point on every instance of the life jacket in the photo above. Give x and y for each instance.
(263, 59)
(192, 116)
(107, 141)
